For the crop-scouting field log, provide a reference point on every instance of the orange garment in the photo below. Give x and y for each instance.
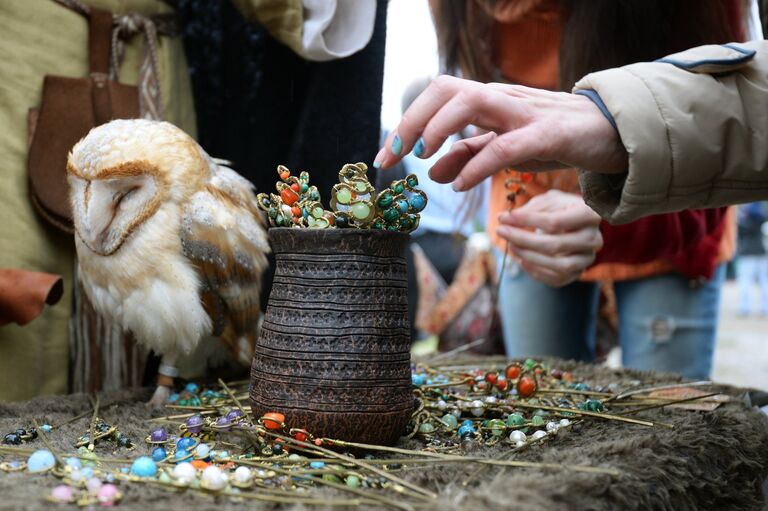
(527, 53)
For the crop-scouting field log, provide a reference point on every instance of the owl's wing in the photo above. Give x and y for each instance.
(224, 236)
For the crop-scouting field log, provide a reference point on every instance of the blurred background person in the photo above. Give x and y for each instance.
(752, 262)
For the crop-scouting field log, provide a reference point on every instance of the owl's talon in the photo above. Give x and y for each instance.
(160, 397)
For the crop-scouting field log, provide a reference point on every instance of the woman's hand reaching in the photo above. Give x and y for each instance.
(527, 129)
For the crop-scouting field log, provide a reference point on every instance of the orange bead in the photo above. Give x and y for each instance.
(273, 420)
(296, 211)
(285, 175)
(526, 386)
(289, 196)
(301, 437)
(295, 187)
(318, 442)
(513, 372)
(526, 177)
(200, 464)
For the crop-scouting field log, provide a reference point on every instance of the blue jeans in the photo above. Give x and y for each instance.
(664, 323)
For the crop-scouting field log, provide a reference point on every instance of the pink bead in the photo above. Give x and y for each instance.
(107, 494)
(62, 493)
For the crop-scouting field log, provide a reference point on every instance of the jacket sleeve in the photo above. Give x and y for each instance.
(695, 126)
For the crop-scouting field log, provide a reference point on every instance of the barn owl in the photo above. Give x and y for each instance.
(171, 243)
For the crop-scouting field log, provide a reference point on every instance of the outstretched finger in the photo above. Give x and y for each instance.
(448, 166)
(508, 150)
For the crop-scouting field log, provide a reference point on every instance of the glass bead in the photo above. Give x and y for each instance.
(538, 420)
(191, 387)
(398, 188)
(496, 426)
(361, 210)
(159, 454)
(40, 461)
(515, 419)
(353, 481)
(343, 196)
(194, 424)
(62, 493)
(143, 466)
(184, 472)
(450, 421)
(426, 428)
(158, 435)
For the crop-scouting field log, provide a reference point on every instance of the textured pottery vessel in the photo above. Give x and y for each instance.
(333, 354)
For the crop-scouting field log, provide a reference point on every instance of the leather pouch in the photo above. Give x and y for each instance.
(70, 107)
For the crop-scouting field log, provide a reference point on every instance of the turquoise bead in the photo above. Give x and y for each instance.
(317, 465)
(417, 202)
(426, 427)
(144, 467)
(46, 428)
(538, 420)
(40, 461)
(412, 181)
(402, 205)
(418, 379)
(398, 188)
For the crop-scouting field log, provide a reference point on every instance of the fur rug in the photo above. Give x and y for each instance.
(710, 460)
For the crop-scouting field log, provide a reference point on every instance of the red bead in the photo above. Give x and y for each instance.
(526, 386)
(513, 372)
(295, 187)
(288, 196)
(296, 211)
(557, 374)
(502, 385)
(318, 442)
(526, 177)
(301, 437)
(273, 420)
(491, 378)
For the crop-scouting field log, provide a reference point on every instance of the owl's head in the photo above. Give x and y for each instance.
(122, 172)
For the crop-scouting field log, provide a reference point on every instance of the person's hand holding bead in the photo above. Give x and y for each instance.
(527, 129)
(564, 240)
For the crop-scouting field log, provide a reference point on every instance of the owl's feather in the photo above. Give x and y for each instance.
(170, 242)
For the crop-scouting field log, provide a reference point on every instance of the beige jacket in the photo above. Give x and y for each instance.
(695, 125)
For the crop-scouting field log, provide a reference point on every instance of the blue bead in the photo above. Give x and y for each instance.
(86, 472)
(173, 397)
(465, 431)
(468, 423)
(317, 464)
(418, 379)
(47, 428)
(402, 205)
(417, 202)
(180, 454)
(185, 442)
(191, 388)
(41, 460)
(74, 462)
(159, 454)
(144, 467)
(202, 451)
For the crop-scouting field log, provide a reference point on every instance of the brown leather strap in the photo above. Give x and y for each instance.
(99, 40)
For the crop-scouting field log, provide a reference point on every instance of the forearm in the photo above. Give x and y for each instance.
(694, 138)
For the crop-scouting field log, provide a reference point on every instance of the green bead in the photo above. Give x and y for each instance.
(184, 402)
(385, 200)
(332, 478)
(353, 481)
(360, 187)
(540, 412)
(496, 426)
(164, 477)
(450, 420)
(538, 420)
(426, 427)
(398, 188)
(378, 225)
(343, 196)
(317, 212)
(515, 419)
(530, 363)
(390, 215)
(272, 212)
(593, 405)
(361, 210)
(392, 227)
(304, 187)
(412, 181)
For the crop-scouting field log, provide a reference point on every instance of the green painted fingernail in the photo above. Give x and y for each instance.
(397, 145)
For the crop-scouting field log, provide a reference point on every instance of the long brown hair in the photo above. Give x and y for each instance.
(597, 34)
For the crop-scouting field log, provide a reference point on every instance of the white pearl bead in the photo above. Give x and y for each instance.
(517, 436)
(477, 408)
(442, 404)
(243, 475)
(519, 444)
(213, 478)
(564, 422)
(539, 434)
(491, 400)
(184, 472)
(552, 426)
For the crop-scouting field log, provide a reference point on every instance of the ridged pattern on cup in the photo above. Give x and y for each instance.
(334, 349)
